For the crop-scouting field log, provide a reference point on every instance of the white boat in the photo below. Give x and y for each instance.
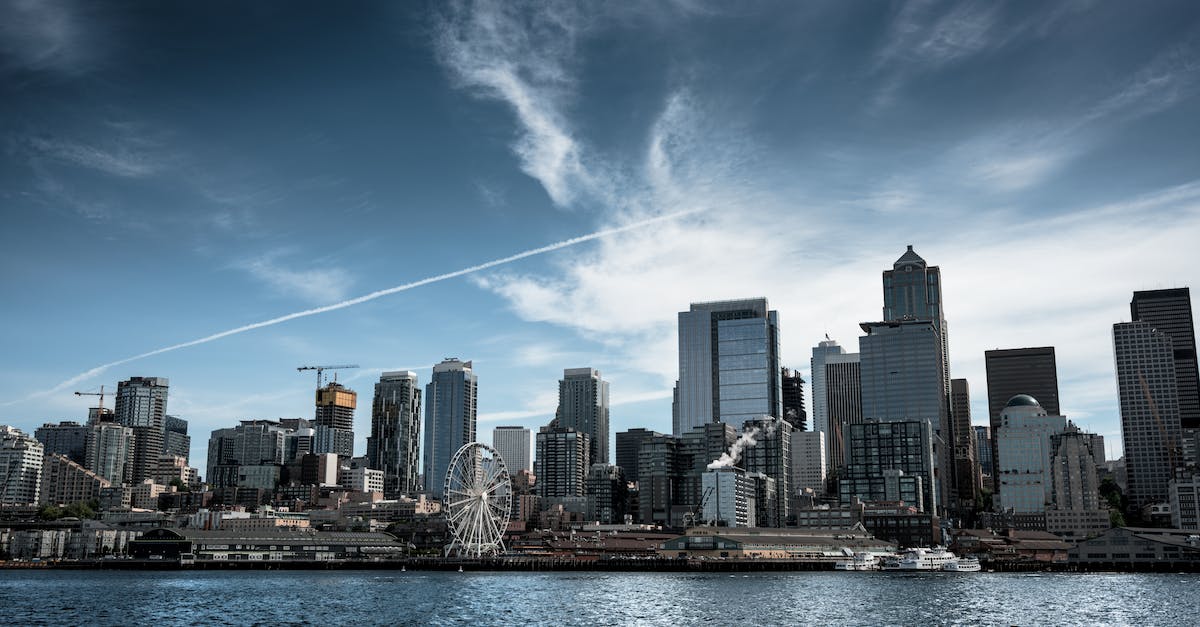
(926, 559)
(860, 561)
(962, 565)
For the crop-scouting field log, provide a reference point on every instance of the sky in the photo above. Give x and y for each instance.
(174, 174)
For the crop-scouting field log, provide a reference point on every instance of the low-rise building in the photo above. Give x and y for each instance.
(272, 544)
(65, 481)
(1124, 547)
(807, 545)
(1185, 502)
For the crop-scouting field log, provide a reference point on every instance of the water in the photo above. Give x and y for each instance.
(411, 598)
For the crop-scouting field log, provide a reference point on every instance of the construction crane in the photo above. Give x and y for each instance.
(694, 515)
(100, 409)
(321, 369)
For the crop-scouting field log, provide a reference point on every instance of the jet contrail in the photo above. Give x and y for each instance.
(359, 300)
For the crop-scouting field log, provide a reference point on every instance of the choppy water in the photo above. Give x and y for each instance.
(375, 597)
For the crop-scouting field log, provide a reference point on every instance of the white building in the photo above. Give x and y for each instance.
(361, 479)
(1023, 444)
(20, 467)
(512, 443)
(808, 461)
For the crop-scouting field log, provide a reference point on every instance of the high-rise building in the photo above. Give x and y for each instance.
(20, 467)
(583, 406)
(394, 444)
(141, 405)
(629, 445)
(808, 461)
(732, 497)
(450, 411)
(255, 448)
(1149, 399)
(512, 443)
(109, 452)
(1170, 312)
(700, 447)
(65, 482)
(820, 406)
(729, 367)
(771, 455)
(983, 444)
(335, 410)
(902, 374)
(843, 398)
(912, 290)
(966, 457)
(562, 462)
(793, 399)
(1076, 509)
(68, 438)
(1024, 447)
(1013, 371)
(176, 440)
(891, 461)
(661, 470)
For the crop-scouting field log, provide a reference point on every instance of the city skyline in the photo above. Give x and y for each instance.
(143, 210)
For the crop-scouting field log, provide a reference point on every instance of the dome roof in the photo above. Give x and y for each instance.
(1023, 400)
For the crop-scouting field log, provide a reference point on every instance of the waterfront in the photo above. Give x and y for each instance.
(382, 597)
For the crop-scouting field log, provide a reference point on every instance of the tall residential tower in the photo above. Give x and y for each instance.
(450, 409)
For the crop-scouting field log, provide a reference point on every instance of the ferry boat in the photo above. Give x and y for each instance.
(962, 565)
(926, 559)
(860, 561)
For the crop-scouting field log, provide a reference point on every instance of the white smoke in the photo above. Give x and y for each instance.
(355, 301)
(748, 439)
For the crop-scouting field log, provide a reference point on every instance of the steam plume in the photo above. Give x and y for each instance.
(748, 439)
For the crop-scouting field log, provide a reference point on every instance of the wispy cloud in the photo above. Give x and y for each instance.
(44, 35)
(317, 285)
(123, 160)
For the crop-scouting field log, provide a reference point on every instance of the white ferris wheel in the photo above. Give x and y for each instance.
(478, 498)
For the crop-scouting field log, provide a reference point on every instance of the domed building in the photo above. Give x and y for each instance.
(1024, 447)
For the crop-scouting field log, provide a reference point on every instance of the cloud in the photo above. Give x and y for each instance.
(322, 285)
(516, 54)
(123, 160)
(43, 35)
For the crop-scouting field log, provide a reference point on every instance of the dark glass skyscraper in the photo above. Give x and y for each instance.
(728, 364)
(394, 443)
(1170, 311)
(912, 290)
(142, 406)
(793, 399)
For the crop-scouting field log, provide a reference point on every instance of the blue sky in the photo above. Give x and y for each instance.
(171, 171)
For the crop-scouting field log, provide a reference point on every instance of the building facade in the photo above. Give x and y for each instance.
(20, 467)
(562, 462)
(808, 462)
(141, 405)
(793, 399)
(1076, 509)
(629, 445)
(1013, 371)
(65, 482)
(109, 451)
(876, 448)
(771, 456)
(583, 406)
(394, 444)
(729, 368)
(966, 454)
(1170, 312)
(731, 498)
(1025, 454)
(67, 438)
(983, 444)
(1149, 399)
(820, 406)
(843, 396)
(450, 412)
(512, 443)
(176, 440)
(335, 412)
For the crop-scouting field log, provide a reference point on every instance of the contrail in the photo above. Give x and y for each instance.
(359, 300)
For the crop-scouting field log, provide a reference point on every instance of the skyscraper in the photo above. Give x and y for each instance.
(808, 461)
(1077, 509)
(109, 452)
(1013, 371)
(793, 399)
(450, 409)
(583, 406)
(983, 444)
(771, 456)
(141, 405)
(1170, 312)
(562, 462)
(394, 444)
(820, 408)
(912, 290)
(335, 412)
(729, 367)
(843, 400)
(966, 458)
(1149, 398)
(512, 443)
(902, 373)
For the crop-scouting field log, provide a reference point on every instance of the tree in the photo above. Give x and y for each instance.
(50, 512)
